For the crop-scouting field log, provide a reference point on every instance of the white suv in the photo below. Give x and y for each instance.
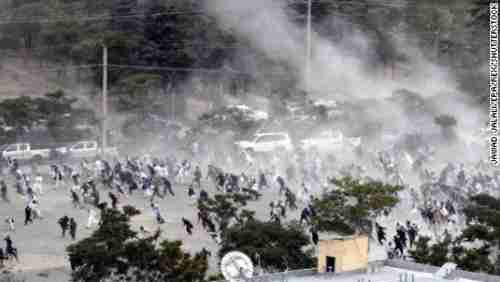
(267, 142)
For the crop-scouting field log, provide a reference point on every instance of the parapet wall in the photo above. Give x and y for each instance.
(433, 269)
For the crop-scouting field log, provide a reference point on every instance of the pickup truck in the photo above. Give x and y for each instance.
(37, 153)
(28, 151)
(267, 142)
(332, 140)
(89, 149)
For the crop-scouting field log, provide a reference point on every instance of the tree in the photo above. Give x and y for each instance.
(412, 103)
(27, 28)
(134, 92)
(55, 104)
(483, 227)
(226, 209)
(19, 112)
(115, 253)
(57, 108)
(123, 38)
(447, 124)
(441, 252)
(353, 205)
(436, 254)
(162, 36)
(62, 37)
(233, 118)
(183, 41)
(473, 259)
(180, 40)
(279, 246)
(7, 276)
(438, 21)
(483, 224)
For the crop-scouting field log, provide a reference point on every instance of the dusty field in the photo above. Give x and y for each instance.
(42, 250)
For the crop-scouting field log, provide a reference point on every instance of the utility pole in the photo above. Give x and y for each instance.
(104, 97)
(172, 101)
(308, 51)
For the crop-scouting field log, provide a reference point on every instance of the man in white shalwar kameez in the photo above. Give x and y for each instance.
(35, 208)
(10, 221)
(38, 185)
(92, 219)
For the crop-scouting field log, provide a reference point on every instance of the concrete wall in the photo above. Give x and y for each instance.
(433, 269)
(280, 276)
(412, 266)
(350, 254)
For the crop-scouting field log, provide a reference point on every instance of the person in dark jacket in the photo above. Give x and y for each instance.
(188, 225)
(262, 181)
(132, 185)
(380, 233)
(64, 223)
(191, 192)
(398, 245)
(167, 187)
(281, 183)
(305, 215)
(28, 215)
(3, 191)
(203, 195)
(314, 236)
(412, 234)
(95, 194)
(114, 200)
(401, 233)
(72, 228)
(9, 248)
(2, 258)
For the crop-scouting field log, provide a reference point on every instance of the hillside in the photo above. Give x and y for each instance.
(18, 78)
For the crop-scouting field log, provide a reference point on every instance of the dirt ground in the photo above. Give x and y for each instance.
(42, 249)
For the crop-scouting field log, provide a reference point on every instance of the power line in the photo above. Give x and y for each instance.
(103, 17)
(142, 67)
(71, 68)
(380, 3)
(56, 20)
(180, 46)
(177, 69)
(166, 68)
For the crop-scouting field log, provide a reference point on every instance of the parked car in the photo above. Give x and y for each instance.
(332, 140)
(28, 151)
(267, 142)
(37, 153)
(89, 149)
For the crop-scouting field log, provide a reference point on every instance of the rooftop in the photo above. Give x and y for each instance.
(379, 271)
(386, 274)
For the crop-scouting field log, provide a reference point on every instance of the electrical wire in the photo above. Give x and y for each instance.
(144, 14)
(70, 68)
(176, 69)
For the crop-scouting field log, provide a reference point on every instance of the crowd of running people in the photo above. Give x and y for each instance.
(435, 196)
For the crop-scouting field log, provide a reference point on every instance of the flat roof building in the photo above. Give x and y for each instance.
(340, 254)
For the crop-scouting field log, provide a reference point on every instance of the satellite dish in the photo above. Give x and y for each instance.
(236, 266)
